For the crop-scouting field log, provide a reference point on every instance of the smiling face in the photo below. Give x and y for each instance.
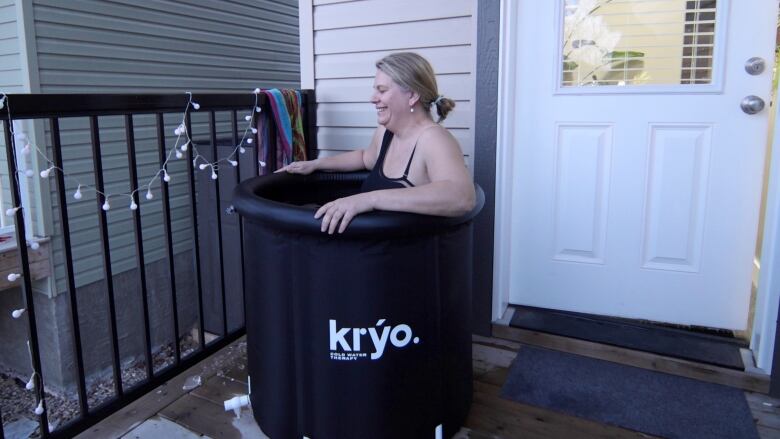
(392, 102)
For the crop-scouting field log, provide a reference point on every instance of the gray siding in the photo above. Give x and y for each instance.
(154, 46)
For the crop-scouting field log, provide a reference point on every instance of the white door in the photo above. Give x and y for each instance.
(636, 175)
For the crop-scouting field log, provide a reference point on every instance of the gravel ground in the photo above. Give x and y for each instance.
(16, 402)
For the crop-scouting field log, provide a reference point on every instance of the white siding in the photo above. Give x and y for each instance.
(348, 37)
(153, 46)
(11, 81)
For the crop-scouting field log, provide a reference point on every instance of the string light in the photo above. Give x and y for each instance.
(182, 135)
(31, 382)
(45, 173)
(180, 131)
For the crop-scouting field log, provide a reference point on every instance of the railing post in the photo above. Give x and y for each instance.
(196, 240)
(107, 271)
(139, 242)
(168, 236)
(66, 244)
(213, 136)
(21, 245)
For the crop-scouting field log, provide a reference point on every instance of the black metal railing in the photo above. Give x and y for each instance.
(54, 108)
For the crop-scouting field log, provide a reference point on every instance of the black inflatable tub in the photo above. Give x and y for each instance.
(365, 334)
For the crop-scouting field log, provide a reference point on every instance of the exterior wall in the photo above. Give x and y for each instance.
(123, 46)
(11, 81)
(160, 46)
(341, 40)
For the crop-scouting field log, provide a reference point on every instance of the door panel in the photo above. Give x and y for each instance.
(636, 185)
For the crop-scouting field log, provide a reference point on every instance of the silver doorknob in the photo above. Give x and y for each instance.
(755, 65)
(752, 104)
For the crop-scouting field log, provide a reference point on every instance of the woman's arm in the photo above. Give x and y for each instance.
(357, 160)
(449, 193)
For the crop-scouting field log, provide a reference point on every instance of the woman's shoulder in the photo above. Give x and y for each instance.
(436, 137)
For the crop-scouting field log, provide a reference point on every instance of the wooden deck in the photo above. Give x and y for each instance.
(172, 412)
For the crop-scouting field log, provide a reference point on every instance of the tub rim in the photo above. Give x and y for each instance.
(292, 218)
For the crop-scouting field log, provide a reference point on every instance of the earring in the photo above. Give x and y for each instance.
(411, 109)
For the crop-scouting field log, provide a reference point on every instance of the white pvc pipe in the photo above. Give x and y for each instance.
(236, 403)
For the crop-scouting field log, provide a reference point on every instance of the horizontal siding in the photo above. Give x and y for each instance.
(363, 114)
(154, 46)
(458, 87)
(362, 14)
(350, 36)
(446, 60)
(11, 81)
(396, 36)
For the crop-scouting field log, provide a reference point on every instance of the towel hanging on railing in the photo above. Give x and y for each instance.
(291, 144)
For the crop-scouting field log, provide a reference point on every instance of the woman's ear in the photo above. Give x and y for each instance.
(413, 98)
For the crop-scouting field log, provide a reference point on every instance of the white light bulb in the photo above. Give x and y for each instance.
(247, 118)
(133, 206)
(166, 177)
(203, 166)
(241, 149)
(77, 195)
(179, 154)
(184, 147)
(177, 131)
(13, 277)
(249, 140)
(31, 382)
(29, 173)
(213, 175)
(39, 409)
(34, 245)
(11, 211)
(149, 194)
(45, 173)
(233, 162)
(196, 105)
(26, 149)
(262, 163)
(18, 312)
(257, 90)
(106, 206)
(254, 130)
(258, 109)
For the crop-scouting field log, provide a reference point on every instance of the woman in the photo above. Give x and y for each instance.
(416, 165)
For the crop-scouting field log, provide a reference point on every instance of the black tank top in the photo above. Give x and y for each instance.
(377, 179)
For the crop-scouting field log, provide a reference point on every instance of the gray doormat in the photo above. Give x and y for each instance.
(703, 348)
(629, 397)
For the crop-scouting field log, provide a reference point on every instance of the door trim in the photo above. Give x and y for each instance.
(763, 338)
(506, 136)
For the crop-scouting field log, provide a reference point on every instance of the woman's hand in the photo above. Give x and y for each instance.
(342, 210)
(303, 168)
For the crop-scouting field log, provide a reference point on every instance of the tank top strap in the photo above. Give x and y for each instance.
(409, 164)
(386, 139)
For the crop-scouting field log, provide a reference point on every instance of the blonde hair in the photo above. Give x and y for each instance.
(414, 73)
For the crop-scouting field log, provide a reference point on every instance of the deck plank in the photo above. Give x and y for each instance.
(219, 389)
(204, 417)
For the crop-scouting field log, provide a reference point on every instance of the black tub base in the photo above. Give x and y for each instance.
(362, 335)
